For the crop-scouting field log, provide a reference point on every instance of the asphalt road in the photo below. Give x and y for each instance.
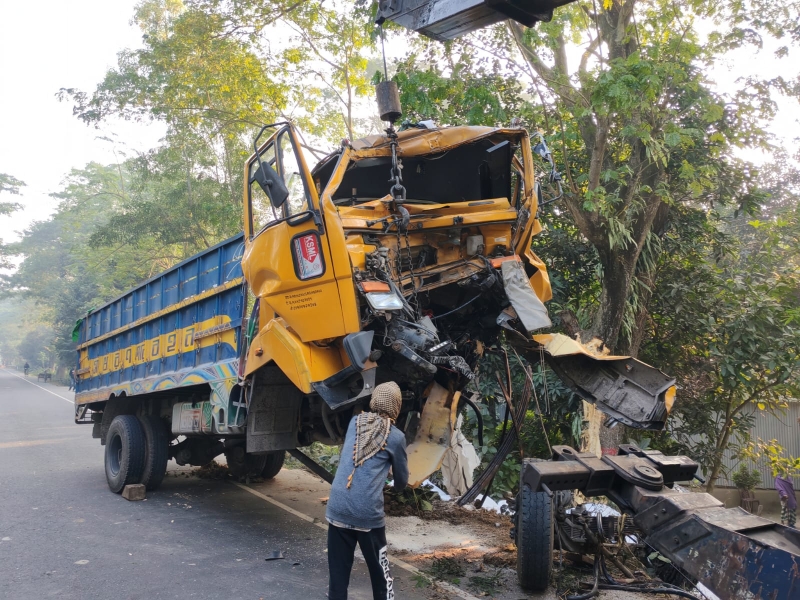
(64, 535)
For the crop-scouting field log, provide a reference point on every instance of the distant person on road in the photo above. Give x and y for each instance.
(71, 379)
(785, 490)
(355, 507)
(26, 368)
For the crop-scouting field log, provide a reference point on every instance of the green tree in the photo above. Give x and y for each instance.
(730, 329)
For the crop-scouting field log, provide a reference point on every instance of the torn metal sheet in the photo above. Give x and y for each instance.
(460, 462)
(626, 389)
(426, 452)
(530, 310)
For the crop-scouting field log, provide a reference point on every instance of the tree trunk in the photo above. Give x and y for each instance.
(618, 270)
(716, 465)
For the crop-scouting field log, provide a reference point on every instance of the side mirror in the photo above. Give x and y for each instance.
(272, 184)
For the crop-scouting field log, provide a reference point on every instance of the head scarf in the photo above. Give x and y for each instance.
(372, 428)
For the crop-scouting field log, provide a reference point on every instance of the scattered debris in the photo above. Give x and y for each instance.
(487, 584)
(83, 561)
(212, 470)
(447, 568)
(276, 555)
(502, 557)
(421, 581)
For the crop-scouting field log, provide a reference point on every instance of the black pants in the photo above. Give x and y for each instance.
(342, 545)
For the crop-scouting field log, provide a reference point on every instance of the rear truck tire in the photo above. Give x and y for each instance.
(156, 453)
(242, 464)
(273, 464)
(125, 452)
(534, 533)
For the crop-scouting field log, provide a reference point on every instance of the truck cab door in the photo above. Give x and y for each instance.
(287, 259)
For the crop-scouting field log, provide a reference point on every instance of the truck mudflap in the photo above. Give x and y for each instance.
(627, 390)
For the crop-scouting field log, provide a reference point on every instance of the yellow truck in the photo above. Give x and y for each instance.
(400, 256)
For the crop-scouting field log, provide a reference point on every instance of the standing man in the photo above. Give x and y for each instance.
(71, 379)
(355, 507)
(785, 490)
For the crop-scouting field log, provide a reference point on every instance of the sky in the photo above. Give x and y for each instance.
(45, 46)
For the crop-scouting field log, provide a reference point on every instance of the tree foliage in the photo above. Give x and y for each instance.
(730, 329)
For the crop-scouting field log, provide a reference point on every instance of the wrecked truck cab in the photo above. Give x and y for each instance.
(364, 282)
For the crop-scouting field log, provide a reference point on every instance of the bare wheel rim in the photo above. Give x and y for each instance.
(115, 455)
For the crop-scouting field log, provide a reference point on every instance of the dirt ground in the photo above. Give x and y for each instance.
(465, 547)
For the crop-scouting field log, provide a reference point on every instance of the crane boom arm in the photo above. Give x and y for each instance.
(448, 19)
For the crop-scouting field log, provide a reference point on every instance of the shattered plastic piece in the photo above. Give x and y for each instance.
(490, 504)
(276, 555)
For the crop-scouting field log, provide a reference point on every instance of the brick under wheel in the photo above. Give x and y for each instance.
(156, 453)
(125, 452)
(534, 536)
(273, 464)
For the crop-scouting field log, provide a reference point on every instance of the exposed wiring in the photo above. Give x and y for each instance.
(595, 588)
(478, 417)
(467, 303)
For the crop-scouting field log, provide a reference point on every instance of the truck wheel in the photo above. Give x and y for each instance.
(124, 452)
(534, 540)
(273, 465)
(156, 449)
(242, 464)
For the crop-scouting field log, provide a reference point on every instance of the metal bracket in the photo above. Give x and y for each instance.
(336, 394)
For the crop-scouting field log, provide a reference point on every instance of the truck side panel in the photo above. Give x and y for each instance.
(179, 329)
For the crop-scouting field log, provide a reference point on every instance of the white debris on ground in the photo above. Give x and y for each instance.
(495, 506)
(500, 507)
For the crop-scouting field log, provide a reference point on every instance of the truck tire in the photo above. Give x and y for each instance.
(125, 450)
(534, 540)
(242, 464)
(155, 452)
(273, 465)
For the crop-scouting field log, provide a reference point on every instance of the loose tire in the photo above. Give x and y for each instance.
(125, 450)
(242, 464)
(273, 464)
(534, 540)
(156, 451)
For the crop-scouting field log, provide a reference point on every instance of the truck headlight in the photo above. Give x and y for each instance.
(384, 301)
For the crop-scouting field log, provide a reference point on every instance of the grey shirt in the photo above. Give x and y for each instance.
(361, 505)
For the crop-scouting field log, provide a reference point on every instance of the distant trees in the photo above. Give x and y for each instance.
(8, 185)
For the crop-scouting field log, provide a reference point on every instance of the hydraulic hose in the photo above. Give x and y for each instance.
(478, 417)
